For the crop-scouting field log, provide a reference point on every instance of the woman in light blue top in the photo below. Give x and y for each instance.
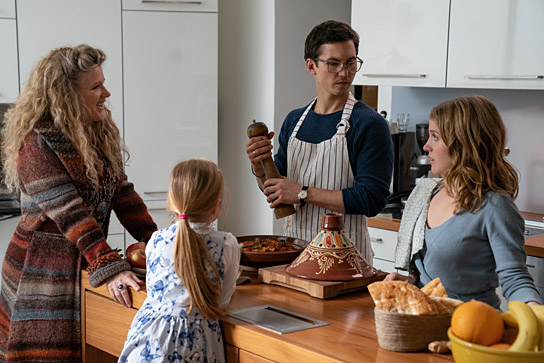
(465, 228)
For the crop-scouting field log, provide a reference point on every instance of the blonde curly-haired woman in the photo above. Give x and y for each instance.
(63, 153)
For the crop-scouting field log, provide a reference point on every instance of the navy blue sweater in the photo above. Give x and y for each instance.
(370, 153)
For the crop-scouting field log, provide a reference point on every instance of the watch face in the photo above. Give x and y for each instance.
(302, 194)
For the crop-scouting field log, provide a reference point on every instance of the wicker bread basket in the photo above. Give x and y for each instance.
(409, 333)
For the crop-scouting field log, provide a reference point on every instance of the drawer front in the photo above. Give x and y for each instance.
(535, 266)
(209, 6)
(384, 265)
(247, 357)
(106, 323)
(231, 353)
(383, 243)
(7, 9)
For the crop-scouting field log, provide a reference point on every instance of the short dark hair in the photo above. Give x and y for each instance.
(330, 31)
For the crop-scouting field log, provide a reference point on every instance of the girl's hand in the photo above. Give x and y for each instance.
(393, 276)
(118, 287)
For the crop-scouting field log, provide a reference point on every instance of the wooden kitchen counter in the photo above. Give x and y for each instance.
(349, 337)
(534, 246)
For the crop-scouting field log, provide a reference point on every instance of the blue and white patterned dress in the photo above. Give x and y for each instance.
(161, 330)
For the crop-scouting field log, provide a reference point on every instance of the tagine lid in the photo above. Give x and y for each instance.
(331, 256)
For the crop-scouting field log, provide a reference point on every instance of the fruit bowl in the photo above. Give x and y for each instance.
(465, 352)
(264, 259)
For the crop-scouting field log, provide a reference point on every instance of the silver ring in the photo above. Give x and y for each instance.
(121, 287)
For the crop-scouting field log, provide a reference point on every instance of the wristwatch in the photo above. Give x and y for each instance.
(302, 195)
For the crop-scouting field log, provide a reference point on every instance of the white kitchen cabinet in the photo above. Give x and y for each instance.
(170, 99)
(402, 42)
(496, 44)
(384, 243)
(451, 43)
(171, 5)
(7, 9)
(157, 210)
(9, 71)
(45, 25)
(8, 224)
(116, 234)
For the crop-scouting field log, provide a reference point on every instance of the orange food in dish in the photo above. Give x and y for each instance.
(477, 322)
(504, 346)
(266, 245)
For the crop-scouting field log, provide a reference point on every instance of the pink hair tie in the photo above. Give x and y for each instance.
(183, 216)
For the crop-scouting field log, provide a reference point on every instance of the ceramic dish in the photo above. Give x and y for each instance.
(465, 352)
(264, 259)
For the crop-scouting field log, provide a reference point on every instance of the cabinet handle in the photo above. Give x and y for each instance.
(484, 76)
(172, 2)
(399, 75)
(372, 239)
(155, 193)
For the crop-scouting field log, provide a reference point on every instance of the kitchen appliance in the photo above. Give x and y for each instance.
(9, 202)
(276, 319)
(404, 155)
(403, 180)
(422, 166)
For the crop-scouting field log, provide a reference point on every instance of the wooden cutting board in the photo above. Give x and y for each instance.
(276, 275)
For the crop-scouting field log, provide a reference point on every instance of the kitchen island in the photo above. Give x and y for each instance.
(349, 337)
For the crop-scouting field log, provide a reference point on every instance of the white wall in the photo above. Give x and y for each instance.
(523, 115)
(262, 76)
(246, 92)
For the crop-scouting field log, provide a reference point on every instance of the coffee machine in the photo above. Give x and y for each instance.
(403, 180)
(421, 168)
(405, 154)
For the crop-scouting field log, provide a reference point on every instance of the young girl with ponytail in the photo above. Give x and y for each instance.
(191, 274)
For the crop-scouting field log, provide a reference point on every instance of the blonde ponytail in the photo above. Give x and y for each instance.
(195, 188)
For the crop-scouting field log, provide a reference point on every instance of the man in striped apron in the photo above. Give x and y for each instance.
(336, 153)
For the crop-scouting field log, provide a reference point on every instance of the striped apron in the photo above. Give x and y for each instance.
(324, 166)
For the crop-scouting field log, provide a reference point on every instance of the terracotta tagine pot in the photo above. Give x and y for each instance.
(331, 256)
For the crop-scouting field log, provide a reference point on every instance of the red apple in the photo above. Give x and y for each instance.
(136, 254)
(133, 246)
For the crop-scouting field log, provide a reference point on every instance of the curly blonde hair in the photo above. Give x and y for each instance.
(196, 186)
(475, 134)
(52, 94)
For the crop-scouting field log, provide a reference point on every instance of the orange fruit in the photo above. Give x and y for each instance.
(503, 346)
(477, 322)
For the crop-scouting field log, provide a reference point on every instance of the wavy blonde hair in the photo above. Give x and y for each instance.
(475, 134)
(195, 188)
(52, 94)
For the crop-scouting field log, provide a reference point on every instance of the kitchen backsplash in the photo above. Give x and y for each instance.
(523, 115)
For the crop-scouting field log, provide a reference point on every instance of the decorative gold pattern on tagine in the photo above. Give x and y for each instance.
(331, 256)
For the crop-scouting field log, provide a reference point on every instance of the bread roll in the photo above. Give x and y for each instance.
(402, 297)
(435, 288)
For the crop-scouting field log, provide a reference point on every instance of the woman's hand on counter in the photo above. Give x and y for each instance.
(411, 279)
(118, 287)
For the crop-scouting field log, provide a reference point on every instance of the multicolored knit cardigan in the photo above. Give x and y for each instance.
(55, 238)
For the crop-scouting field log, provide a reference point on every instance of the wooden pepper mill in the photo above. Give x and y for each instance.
(270, 169)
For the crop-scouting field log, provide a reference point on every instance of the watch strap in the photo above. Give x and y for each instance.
(303, 200)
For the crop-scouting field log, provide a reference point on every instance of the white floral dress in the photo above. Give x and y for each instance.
(161, 330)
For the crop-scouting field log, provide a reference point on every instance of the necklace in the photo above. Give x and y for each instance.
(101, 195)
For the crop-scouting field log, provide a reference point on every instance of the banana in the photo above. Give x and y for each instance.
(509, 320)
(529, 334)
(539, 312)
